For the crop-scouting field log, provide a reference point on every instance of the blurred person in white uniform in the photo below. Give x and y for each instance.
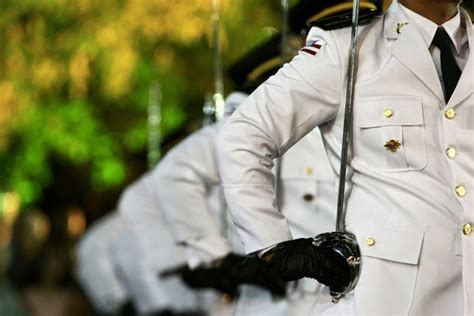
(211, 266)
(411, 189)
(189, 195)
(114, 270)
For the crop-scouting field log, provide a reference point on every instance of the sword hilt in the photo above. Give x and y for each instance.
(345, 245)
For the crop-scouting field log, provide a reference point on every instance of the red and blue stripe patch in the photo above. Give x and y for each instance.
(312, 49)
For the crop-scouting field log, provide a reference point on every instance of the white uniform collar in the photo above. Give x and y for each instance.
(428, 28)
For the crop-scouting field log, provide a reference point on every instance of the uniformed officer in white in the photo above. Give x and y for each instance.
(188, 194)
(411, 166)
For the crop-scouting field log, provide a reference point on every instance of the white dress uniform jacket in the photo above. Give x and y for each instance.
(410, 207)
(96, 269)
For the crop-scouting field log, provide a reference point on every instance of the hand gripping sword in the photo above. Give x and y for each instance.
(342, 242)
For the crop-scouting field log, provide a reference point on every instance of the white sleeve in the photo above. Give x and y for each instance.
(183, 180)
(96, 270)
(203, 251)
(305, 93)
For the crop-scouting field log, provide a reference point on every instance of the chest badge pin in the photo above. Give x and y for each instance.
(400, 26)
(392, 145)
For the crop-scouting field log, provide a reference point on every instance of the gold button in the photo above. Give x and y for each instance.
(450, 113)
(460, 190)
(308, 197)
(308, 171)
(467, 229)
(370, 241)
(387, 112)
(451, 152)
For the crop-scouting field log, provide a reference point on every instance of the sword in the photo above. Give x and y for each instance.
(342, 242)
(283, 59)
(346, 133)
(154, 121)
(208, 110)
(218, 80)
(284, 31)
(219, 103)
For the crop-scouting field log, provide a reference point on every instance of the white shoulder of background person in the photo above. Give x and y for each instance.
(100, 235)
(194, 156)
(191, 157)
(95, 267)
(305, 93)
(137, 200)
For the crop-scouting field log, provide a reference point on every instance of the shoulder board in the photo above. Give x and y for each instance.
(344, 19)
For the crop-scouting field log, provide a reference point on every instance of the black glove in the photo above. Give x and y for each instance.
(212, 277)
(229, 272)
(299, 258)
(252, 270)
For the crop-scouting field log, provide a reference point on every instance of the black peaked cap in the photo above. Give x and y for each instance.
(246, 66)
(300, 13)
(263, 61)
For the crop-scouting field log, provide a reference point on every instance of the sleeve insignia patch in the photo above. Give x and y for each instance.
(312, 49)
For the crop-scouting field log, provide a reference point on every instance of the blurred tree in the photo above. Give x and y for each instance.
(74, 79)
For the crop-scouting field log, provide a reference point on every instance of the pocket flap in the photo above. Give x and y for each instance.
(388, 111)
(389, 243)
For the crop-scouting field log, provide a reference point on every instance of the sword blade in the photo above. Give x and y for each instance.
(347, 129)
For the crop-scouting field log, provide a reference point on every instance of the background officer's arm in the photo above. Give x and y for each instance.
(183, 180)
(303, 94)
(96, 269)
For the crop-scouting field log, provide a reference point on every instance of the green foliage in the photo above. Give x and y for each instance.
(75, 78)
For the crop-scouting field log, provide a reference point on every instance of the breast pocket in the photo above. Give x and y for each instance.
(389, 268)
(389, 134)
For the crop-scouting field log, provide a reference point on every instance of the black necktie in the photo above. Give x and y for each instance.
(449, 68)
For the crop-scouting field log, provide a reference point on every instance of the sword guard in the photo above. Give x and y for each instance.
(344, 244)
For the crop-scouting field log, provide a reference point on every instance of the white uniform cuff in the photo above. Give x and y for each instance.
(204, 250)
